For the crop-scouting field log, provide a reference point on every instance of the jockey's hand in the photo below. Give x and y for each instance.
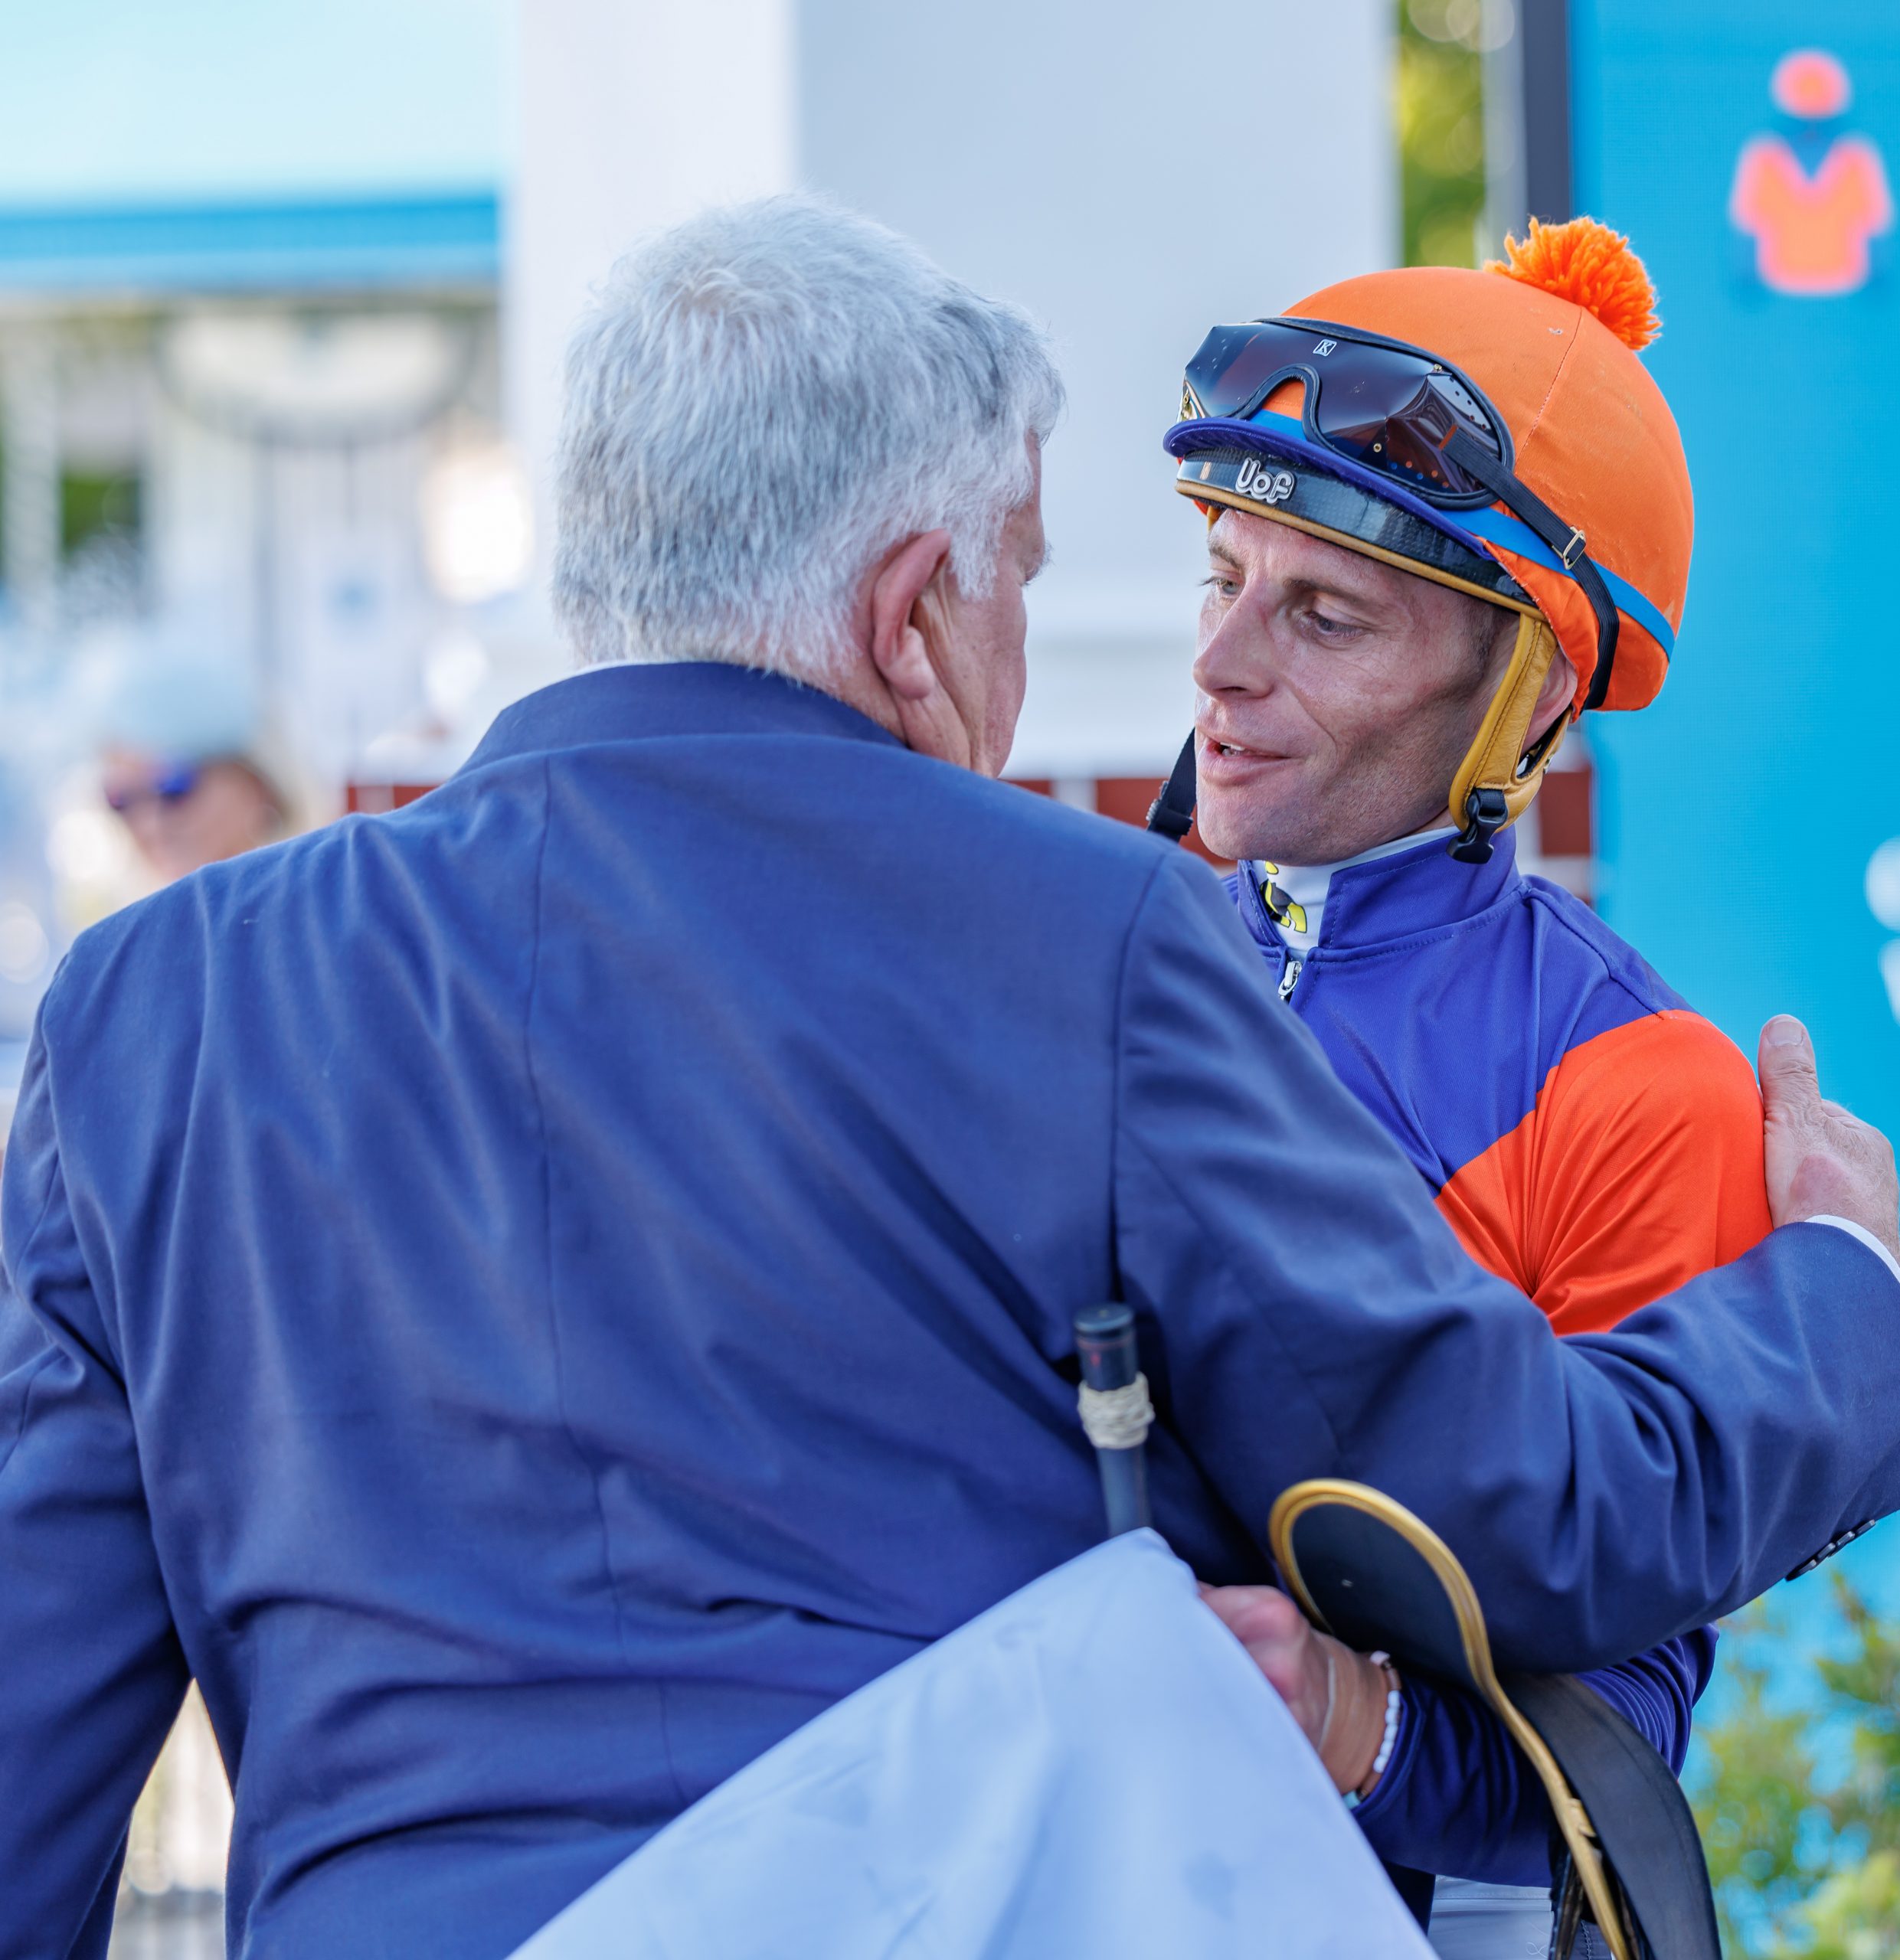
(1820, 1160)
(1337, 1696)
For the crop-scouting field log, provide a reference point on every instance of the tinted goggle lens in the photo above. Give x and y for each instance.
(1228, 376)
(1385, 408)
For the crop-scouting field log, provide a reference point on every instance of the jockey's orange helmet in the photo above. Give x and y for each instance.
(1495, 431)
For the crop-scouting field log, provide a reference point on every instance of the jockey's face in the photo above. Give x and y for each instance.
(1337, 695)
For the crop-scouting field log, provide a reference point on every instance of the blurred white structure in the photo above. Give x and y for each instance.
(631, 115)
(1109, 166)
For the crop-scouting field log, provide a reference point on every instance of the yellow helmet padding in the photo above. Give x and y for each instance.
(1497, 758)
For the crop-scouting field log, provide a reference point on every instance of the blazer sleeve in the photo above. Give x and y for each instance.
(93, 1673)
(1307, 1312)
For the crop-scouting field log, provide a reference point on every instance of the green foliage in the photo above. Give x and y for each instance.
(1755, 1807)
(93, 503)
(1866, 1683)
(1806, 1867)
(1441, 121)
(1854, 1916)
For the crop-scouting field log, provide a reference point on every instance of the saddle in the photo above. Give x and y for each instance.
(1626, 1853)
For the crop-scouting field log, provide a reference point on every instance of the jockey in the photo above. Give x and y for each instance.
(1448, 512)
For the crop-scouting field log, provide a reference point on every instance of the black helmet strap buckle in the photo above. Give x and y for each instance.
(1486, 813)
(1171, 815)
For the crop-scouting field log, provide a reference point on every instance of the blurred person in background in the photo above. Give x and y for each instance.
(1448, 510)
(530, 1319)
(184, 812)
(190, 761)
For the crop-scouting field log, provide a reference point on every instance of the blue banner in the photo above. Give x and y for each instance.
(1750, 820)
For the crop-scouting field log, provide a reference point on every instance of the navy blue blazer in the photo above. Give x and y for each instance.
(531, 1297)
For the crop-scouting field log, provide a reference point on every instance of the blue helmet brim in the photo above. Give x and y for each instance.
(1280, 436)
(1225, 461)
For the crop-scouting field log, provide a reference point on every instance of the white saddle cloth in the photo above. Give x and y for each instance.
(1091, 1770)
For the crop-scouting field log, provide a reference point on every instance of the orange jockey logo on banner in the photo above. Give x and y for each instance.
(1814, 198)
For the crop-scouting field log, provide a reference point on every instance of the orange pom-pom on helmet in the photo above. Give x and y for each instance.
(1494, 431)
(1588, 263)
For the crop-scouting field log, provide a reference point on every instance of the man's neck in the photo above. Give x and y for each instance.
(929, 724)
(1358, 854)
(861, 686)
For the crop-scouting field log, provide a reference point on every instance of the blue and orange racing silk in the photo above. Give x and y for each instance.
(1587, 1136)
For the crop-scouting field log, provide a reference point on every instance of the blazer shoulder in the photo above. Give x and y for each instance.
(1021, 847)
(1057, 826)
(165, 945)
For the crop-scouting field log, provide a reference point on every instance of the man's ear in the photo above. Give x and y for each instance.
(906, 614)
(1560, 685)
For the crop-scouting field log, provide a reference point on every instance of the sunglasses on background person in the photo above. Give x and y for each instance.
(169, 786)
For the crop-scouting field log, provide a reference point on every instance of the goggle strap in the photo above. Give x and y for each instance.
(1565, 540)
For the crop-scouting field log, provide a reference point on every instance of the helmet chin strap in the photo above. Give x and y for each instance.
(1492, 787)
(1171, 815)
(1503, 768)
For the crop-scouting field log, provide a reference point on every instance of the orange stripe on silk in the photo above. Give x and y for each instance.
(1639, 1166)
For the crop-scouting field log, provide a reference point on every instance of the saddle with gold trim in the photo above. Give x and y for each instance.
(1365, 1569)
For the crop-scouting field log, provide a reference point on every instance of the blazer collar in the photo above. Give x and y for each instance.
(624, 703)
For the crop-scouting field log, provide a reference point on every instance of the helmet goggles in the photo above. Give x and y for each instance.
(1389, 407)
(1398, 412)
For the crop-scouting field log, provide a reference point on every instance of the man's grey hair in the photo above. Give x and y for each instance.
(762, 402)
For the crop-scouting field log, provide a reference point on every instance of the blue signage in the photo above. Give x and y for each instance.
(1750, 820)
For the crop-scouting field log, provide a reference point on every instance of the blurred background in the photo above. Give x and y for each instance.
(283, 298)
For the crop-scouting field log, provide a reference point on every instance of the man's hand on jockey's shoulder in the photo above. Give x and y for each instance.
(1821, 1161)
(1337, 1696)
